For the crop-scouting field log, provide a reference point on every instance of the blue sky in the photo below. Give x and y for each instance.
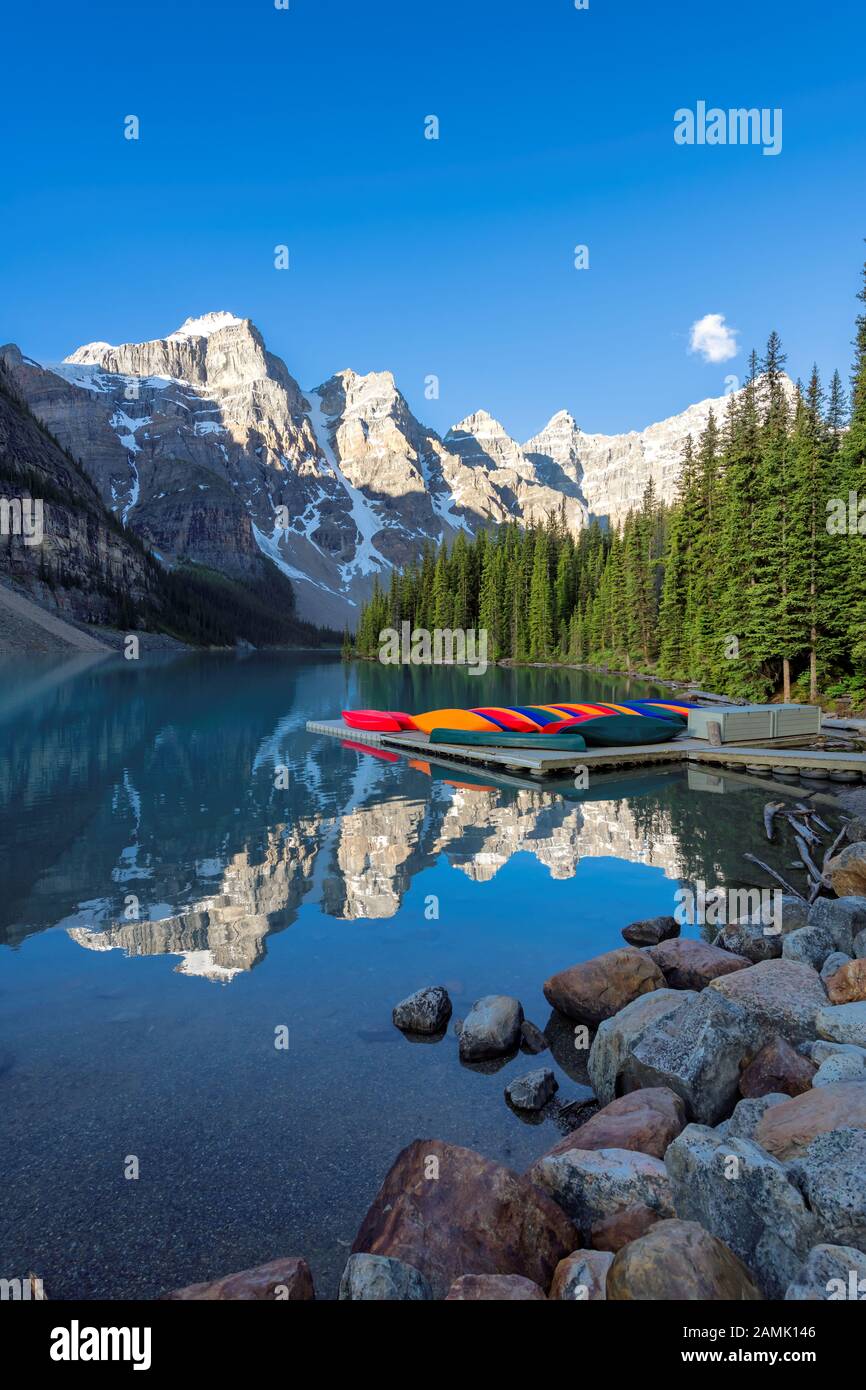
(454, 257)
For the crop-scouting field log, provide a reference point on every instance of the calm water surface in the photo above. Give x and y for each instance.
(280, 880)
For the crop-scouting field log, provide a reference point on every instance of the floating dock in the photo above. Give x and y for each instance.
(540, 763)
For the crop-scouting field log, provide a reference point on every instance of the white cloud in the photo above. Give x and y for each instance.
(713, 339)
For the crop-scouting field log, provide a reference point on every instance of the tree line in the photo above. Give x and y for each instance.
(752, 582)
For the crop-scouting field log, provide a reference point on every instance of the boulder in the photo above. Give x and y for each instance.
(426, 1011)
(491, 1028)
(616, 1037)
(678, 1260)
(845, 1066)
(847, 984)
(532, 1091)
(827, 1275)
(643, 1121)
(844, 1023)
(847, 870)
(376, 1278)
(794, 912)
(855, 830)
(651, 931)
(490, 1288)
(598, 988)
(819, 1051)
(747, 1115)
(743, 1196)
(860, 945)
(809, 945)
(611, 1233)
(284, 1280)
(787, 1130)
(582, 1276)
(834, 962)
(688, 964)
(532, 1039)
(777, 1067)
(698, 1052)
(750, 941)
(843, 918)
(830, 1176)
(778, 996)
(448, 1211)
(590, 1184)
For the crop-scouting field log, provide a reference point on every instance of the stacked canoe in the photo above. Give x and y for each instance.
(567, 726)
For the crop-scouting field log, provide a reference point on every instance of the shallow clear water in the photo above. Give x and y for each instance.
(310, 906)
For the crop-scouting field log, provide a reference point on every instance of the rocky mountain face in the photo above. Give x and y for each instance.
(85, 562)
(207, 448)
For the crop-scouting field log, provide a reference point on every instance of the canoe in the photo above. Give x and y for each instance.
(599, 723)
(477, 738)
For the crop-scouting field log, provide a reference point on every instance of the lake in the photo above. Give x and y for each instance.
(187, 875)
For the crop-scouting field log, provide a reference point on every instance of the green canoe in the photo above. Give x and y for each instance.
(474, 738)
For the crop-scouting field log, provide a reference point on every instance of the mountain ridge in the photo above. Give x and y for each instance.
(205, 445)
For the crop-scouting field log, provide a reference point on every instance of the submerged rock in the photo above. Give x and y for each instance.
(488, 1288)
(532, 1091)
(679, 1260)
(532, 1039)
(288, 1279)
(651, 931)
(616, 1038)
(426, 1011)
(827, 1275)
(377, 1278)
(688, 964)
(777, 1067)
(491, 1028)
(448, 1211)
(598, 988)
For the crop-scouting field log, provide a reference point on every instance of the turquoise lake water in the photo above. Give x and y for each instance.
(281, 881)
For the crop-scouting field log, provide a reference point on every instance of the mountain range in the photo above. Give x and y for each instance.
(208, 450)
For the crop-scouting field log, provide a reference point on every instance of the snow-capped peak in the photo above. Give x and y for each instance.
(205, 325)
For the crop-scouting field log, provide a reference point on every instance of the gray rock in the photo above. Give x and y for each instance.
(611, 1047)
(859, 949)
(844, 1066)
(745, 1197)
(842, 917)
(582, 1276)
(819, 1051)
(808, 945)
(651, 931)
(426, 1011)
(844, 1023)
(744, 1121)
(827, 1275)
(749, 939)
(698, 1052)
(832, 964)
(374, 1278)
(532, 1039)
(532, 1091)
(590, 1184)
(795, 913)
(830, 1177)
(491, 1028)
(855, 830)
